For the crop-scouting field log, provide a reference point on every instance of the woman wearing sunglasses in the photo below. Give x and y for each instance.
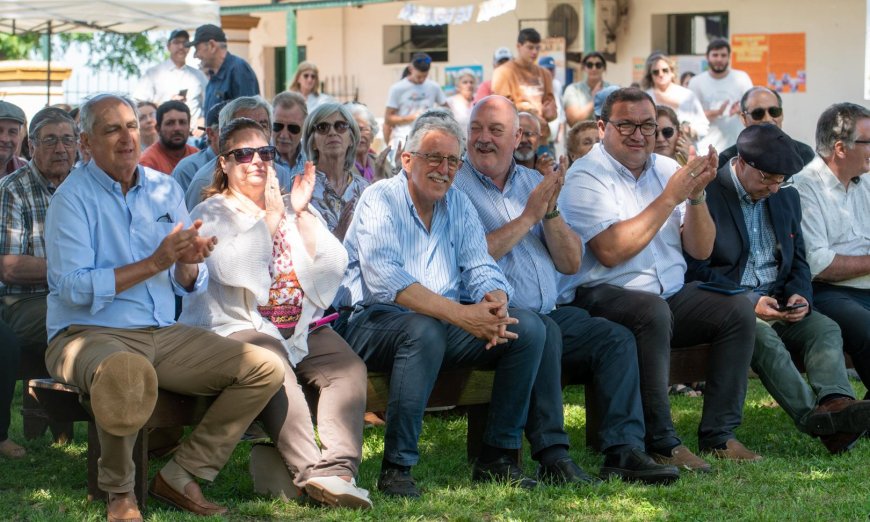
(306, 82)
(670, 141)
(330, 136)
(274, 270)
(659, 82)
(579, 97)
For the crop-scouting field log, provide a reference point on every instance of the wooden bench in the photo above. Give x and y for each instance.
(65, 403)
(35, 419)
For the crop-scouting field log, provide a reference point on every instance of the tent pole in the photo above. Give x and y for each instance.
(48, 72)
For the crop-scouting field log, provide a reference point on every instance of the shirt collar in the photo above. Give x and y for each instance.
(38, 178)
(109, 183)
(486, 180)
(622, 169)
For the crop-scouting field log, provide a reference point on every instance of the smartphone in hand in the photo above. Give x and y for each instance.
(783, 307)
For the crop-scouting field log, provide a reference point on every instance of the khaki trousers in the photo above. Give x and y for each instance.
(336, 379)
(188, 361)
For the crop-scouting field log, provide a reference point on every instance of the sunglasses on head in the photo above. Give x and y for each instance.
(667, 132)
(324, 126)
(663, 70)
(594, 65)
(292, 128)
(246, 154)
(758, 114)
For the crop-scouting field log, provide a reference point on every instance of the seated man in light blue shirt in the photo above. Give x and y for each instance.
(259, 110)
(187, 168)
(532, 244)
(412, 244)
(627, 204)
(119, 246)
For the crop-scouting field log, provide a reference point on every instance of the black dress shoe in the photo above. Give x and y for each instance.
(565, 471)
(636, 466)
(397, 483)
(503, 469)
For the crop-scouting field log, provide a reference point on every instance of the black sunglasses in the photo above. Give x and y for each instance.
(594, 65)
(339, 126)
(246, 154)
(758, 114)
(667, 132)
(291, 127)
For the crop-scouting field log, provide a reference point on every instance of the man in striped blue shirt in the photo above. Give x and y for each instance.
(413, 243)
(532, 243)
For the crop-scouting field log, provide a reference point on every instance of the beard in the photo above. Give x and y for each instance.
(174, 142)
(719, 70)
(524, 155)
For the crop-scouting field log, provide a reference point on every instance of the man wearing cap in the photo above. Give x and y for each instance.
(12, 119)
(761, 105)
(835, 198)
(410, 97)
(187, 168)
(119, 246)
(173, 129)
(759, 247)
(24, 198)
(501, 56)
(229, 76)
(637, 211)
(173, 79)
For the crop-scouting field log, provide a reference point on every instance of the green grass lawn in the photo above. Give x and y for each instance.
(798, 480)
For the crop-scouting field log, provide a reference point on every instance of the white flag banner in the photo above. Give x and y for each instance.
(426, 15)
(492, 8)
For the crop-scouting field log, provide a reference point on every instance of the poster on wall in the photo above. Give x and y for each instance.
(452, 74)
(777, 61)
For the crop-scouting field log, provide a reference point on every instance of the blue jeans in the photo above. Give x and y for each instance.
(413, 348)
(603, 353)
(850, 309)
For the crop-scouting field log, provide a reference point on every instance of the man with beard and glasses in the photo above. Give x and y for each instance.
(173, 129)
(720, 88)
(525, 155)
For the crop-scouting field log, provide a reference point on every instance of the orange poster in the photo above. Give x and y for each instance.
(777, 61)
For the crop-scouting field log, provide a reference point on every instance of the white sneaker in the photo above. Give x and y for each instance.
(337, 492)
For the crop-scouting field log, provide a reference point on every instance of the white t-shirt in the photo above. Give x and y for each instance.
(410, 98)
(713, 93)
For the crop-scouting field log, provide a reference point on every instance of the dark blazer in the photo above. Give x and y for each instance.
(731, 248)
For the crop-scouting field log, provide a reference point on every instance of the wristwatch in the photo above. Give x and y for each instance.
(553, 213)
(702, 198)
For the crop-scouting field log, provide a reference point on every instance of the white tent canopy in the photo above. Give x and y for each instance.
(120, 16)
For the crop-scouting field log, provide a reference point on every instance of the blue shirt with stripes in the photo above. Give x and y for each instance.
(528, 265)
(390, 248)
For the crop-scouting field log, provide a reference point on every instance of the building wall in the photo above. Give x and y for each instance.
(348, 41)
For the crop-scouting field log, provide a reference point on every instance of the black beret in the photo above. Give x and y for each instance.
(767, 148)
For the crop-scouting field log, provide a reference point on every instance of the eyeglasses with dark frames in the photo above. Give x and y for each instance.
(758, 114)
(323, 127)
(246, 154)
(292, 128)
(663, 70)
(667, 132)
(627, 128)
(434, 159)
(594, 65)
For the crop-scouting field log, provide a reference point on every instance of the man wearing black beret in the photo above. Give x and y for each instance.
(759, 247)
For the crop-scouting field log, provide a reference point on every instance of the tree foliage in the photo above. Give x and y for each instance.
(116, 52)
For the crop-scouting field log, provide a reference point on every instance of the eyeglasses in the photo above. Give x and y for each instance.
(323, 127)
(663, 70)
(246, 154)
(758, 114)
(861, 142)
(52, 141)
(594, 65)
(309, 75)
(627, 128)
(766, 179)
(434, 159)
(292, 128)
(667, 132)
(529, 135)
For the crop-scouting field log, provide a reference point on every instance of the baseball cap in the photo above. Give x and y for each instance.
(767, 148)
(9, 111)
(421, 61)
(178, 33)
(601, 97)
(500, 54)
(205, 33)
(547, 62)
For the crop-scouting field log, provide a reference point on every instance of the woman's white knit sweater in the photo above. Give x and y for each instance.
(239, 279)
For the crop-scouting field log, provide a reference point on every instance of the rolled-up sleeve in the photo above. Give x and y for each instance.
(70, 256)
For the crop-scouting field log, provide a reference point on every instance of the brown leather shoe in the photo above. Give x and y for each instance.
(841, 415)
(122, 507)
(734, 450)
(840, 442)
(190, 500)
(683, 458)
